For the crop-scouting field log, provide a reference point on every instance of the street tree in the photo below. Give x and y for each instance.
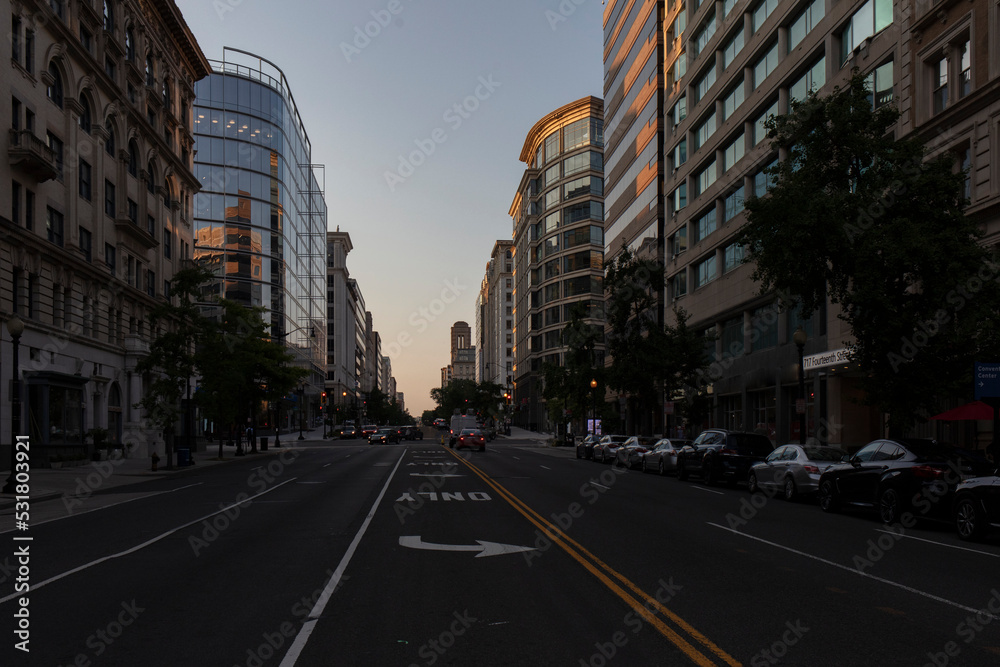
(171, 363)
(566, 386)
(854, 215)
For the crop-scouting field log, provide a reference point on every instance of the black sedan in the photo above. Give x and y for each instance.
(902, 478)
(384, 436)
(977, 506)
(585, 448)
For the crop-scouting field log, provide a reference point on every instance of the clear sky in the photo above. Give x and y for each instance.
(377, 81)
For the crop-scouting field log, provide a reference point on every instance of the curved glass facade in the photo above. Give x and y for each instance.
(261, 217)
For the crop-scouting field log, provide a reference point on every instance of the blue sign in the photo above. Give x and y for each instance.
(987, 380)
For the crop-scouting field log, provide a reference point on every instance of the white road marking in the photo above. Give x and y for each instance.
(295, 650)
(546, 467)
(130, 500)
(606, 488)
(140, 547)
(940, 544)
(328, 464)
(720, 493)
(852, 570)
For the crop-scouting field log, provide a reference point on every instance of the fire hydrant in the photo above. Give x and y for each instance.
(156, 459)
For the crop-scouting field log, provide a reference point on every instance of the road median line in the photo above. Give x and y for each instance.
(591, 563)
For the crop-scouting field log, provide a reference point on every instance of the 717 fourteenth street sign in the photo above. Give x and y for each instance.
(987, 380)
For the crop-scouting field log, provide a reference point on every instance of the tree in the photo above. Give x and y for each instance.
(171, 362)
(869, 222)
(567, 386)
(468, 396)
(635, 341)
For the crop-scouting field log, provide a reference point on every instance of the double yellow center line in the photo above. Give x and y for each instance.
(696, 646)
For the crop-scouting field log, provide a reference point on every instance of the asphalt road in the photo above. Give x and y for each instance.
(344, 554)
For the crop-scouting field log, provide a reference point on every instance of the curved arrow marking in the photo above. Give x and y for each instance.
(484, 548)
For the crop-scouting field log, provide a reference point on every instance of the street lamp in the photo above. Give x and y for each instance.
(799, 337)
(15, 327)
(593, 392)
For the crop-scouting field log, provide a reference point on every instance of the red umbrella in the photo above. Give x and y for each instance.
(974, 410)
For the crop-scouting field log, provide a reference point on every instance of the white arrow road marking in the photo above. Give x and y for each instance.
(484, 548)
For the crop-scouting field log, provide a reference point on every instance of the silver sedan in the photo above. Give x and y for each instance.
(662, 458)
(793, 470)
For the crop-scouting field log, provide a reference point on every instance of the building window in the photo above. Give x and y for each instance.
(759, 130)
(57, 7)
(168, 242)
(809, 82)
(110, 68)
(704, 131)
(704, 34)
(762, 181)
(733, 257)
(732, 48)
(765, 65)
(680, 112)
(965, 75)
(86, 40)
(150, 283)
(133, 158)
(109, 257)
(705, 178)
(55, 90)
(576, 134)
(15, 38)
(803, 24)
(679, 284)
(940, 95)
(56, 145)
(150, 79)
(109, 16)
(734, 153)
(680, 153)
(704, 225)
(109, 199)
(132, 209)
(734, 204)
(762, 11)
(679, 197)
(870, 19)
(85, 243)
(54, 226)
(84, 185)
(130, 45)
(732, 101)
(764, 328)
(109, 144)
(552, 146)
(705, 272)
(880, 83)
(151, 226)
(705, 83)
(678, 241)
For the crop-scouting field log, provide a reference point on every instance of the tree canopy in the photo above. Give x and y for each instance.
(854, 215)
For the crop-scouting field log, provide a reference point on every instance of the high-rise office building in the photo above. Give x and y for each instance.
(97, 190)
(730, 65)
(495, 318)
(558, 233)
(261, 217)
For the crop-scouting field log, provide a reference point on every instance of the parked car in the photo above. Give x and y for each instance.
(977, 506)
(471, 437)
(793, 469)
(897, 476)
(585, 448)
(721, 455)
(605, 449)
(384, 436)
(662, 457)
(630, 454)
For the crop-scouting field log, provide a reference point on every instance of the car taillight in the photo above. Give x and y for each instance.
(813, 470)
(927, 472)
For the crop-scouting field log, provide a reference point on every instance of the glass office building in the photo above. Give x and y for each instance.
(261, 217)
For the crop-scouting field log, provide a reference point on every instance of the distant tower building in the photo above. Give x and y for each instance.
(495, 318)
(463, 352)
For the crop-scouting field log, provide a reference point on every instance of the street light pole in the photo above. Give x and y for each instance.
(799, 337)
(593, 393)
(15, 327)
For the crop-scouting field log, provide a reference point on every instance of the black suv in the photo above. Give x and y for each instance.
(718, 454)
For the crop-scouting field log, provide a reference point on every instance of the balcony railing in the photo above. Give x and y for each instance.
(32, 155)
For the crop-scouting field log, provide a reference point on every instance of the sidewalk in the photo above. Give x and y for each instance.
(48, 483)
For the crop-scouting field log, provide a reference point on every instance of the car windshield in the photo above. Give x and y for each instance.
(823, 453)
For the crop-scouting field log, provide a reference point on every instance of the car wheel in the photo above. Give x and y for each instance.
(681, 472)
(969, 521)
(827, 497)
(662, 469)
(888, 505)
(752, 483)
(790, 491)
